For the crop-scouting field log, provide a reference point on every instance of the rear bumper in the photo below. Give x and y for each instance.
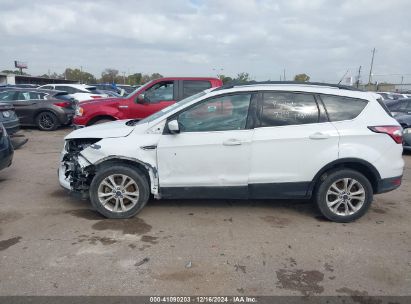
(6, 152)
(388, 184)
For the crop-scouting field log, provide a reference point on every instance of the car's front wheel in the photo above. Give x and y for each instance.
(119, 191)
(344, 195)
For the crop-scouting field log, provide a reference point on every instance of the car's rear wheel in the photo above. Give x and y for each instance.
(344, 195)
(119, 191)
(47, 121)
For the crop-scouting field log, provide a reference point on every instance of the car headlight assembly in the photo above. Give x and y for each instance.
(79, 111)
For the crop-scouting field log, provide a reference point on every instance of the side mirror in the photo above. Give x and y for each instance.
(173, 126)
(141, 99)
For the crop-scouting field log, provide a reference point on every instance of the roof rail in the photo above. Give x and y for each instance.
(239, 84)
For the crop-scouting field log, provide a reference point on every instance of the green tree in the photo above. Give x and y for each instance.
(242, 77)
(78, 75)
(109, 75)
(225, 79)
(302, 77)
(134, 79)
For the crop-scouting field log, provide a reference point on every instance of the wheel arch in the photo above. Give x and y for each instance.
(99, 117)
(360, 165)
(149, 171)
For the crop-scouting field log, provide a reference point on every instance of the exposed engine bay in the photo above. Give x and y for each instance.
(77, 170)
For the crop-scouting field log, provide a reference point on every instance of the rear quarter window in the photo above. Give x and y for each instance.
(343, 108)
(191, 87)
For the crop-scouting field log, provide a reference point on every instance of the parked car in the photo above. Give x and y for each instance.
(42, 108)
(80, 92)
(401, 111)
(407, 139)
(9, 118)
(257, 141)
(6, 149)
(387, 96)
(146, 100)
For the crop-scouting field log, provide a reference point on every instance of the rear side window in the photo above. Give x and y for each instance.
(191, 87)
(281, 109)
(37, 95)
(343, 108)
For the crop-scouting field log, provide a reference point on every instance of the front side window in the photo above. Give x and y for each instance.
(220, 113)
(342, 108)
(162, 91)
(191, 87)
(283, 108)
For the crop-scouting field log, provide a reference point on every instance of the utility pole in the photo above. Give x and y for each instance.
(124, 77)
(372, 62)
(284, 75)
(81, 74)
(358, 77)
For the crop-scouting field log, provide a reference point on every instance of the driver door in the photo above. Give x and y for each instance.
(157, 97)
(210, 156)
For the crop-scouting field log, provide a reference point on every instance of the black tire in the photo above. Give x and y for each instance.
(324, 185)
(101, 121)
(118, 169)
(47, 121)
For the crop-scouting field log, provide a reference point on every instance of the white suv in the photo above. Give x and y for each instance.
(80, 92)
(255, 141)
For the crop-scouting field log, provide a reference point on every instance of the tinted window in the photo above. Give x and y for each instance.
(280, 109)
(23, 96)
(343, 108)
(67, 89)
(191, 87)
(37, 95)
(220, 113)
(7, 96)
(161, 91)
(47, 87)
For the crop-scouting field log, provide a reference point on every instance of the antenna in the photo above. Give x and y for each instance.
(343, 77)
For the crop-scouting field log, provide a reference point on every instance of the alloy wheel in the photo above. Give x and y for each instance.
(345, 196)
(118, 193)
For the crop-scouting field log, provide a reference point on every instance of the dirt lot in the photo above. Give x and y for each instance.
(52, 244)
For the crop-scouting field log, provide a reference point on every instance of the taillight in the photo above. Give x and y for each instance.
(63, 104)
(395, 132)
(95, 96)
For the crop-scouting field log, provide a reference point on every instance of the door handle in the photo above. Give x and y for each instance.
(319, 135)
(122, 107)
(232, 142)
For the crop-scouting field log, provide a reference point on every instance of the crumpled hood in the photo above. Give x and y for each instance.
(116, 128)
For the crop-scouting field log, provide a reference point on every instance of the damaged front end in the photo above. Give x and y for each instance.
(76, 172)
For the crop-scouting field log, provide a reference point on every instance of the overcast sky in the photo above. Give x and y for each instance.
(199, 38)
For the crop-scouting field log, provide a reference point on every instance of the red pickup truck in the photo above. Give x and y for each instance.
(144, 101)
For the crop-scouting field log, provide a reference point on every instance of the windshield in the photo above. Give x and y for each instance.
(137, 89)
(172, 107)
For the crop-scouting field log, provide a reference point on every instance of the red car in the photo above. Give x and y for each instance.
(144, 101)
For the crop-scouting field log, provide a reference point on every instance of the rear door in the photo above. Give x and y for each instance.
(26, 104)
(292, 141)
